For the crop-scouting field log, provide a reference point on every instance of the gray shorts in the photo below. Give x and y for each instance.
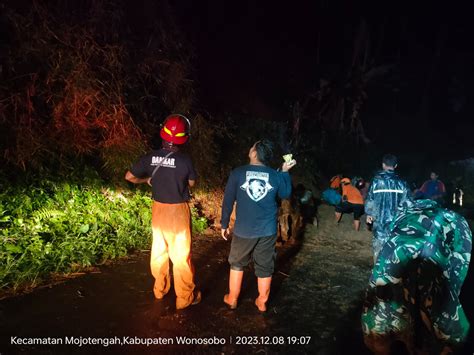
(261, 250)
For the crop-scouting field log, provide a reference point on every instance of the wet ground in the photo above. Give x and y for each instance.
(314, 307)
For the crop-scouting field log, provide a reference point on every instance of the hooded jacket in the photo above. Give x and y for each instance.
(386, 193)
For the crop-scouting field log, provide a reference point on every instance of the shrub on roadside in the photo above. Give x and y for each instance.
(55, 227)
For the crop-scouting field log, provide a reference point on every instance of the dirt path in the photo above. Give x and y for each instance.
(316, 298)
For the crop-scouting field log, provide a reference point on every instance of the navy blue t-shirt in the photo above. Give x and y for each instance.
(170, 182)
(255, 189)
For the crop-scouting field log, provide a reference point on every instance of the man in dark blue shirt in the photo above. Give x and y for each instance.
(254, 188)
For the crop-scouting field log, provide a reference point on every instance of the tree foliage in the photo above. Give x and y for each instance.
(77, 83)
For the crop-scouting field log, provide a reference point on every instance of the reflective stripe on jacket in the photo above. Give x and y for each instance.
(386, 193)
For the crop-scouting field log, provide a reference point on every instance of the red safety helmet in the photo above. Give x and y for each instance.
(175, 129)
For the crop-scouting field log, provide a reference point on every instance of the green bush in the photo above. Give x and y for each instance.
(199, 223)
(52, 226)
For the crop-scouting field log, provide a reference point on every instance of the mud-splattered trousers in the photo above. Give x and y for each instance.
(171, 224)
(418, 275)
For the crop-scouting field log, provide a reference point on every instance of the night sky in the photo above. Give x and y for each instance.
(259, 56)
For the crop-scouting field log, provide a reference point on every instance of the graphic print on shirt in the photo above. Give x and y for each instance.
(256, 184)
(166, 163)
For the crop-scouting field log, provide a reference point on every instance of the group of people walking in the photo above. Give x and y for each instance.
(253, 188)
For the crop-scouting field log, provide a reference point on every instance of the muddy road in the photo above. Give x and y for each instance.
(314, 305)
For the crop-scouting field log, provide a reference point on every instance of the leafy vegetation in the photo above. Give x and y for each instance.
(199, 223)
(83, 87)
(51, 226)
(78, 83)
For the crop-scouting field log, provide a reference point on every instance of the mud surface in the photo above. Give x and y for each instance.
(316, 299)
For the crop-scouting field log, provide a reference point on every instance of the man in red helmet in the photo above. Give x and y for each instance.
(170, 173)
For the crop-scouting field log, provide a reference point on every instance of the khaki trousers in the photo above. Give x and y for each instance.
(171, 225)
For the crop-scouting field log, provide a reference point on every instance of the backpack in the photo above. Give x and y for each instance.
(331, 196)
